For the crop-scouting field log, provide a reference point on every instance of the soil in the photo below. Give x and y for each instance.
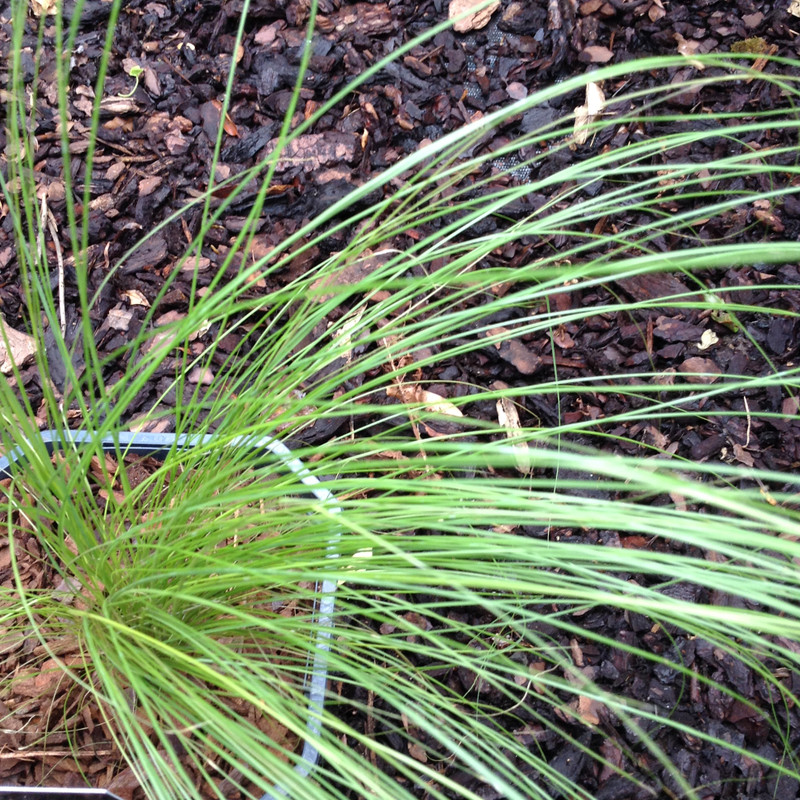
(155, 147)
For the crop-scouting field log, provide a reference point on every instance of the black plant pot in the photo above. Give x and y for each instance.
(159, 445)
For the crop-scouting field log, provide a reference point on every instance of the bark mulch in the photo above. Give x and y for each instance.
(153, 156)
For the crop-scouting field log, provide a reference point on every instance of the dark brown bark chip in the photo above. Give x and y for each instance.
(146, 256)
(676, 330)
(654, 286)
(516, 353)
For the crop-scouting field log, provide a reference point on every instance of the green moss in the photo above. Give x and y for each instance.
(755, 44)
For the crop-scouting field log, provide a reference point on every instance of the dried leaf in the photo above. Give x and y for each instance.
(116, 106)
(20, 350)
(588, 709)
(414, 393)
(41, 8)
(656, 11)
(742, 456)
(588, 113)
(151, 82)
(417, 752)
(767, 217)
(708, 339)
(688, 47)
(508, 417)
(136, 298)
(229, 126)
(596, 54)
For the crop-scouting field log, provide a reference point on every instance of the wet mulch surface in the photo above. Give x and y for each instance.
(153, 156)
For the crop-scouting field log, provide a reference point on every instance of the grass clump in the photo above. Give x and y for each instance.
(483, 534)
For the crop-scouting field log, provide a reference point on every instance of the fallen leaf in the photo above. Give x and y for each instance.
(768, 218)
(43, 8)
(742, 456)
(656, 11)
(516, 90)
(417, 751)
(705, 178)
(588, 113)
(151, 82)
(477, 11)
(117, 106)
(508, 417)
(414, 393)
(437, 404)
(725, 318)
(344, 333)
(688, 48)
(136, 298)
(16, 347)
(596, 54)
(588, 709)
(655, 437)
(229, 126)
(708, 339)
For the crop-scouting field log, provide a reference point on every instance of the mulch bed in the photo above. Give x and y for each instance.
(153, 156)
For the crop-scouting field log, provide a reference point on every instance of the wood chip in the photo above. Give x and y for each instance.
(149, 185)
(515, 352)
(350, 274)
(700, 370)
(478, 14)
(315, 150)
(596, 54)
